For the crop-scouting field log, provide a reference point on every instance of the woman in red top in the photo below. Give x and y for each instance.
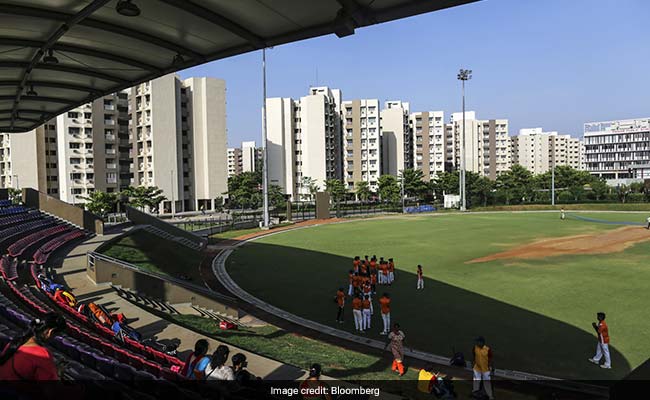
(25, 358)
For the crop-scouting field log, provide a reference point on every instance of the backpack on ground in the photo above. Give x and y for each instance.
(458, 359)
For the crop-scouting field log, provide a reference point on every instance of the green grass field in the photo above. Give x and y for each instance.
(536, 314)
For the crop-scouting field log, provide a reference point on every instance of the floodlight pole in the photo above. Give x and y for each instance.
(265, 166)
(402, 190)
(463, 75)
(553, 182)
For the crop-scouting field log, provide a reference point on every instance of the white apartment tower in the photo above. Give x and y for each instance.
(362, 143)
(538, 151)
(487, 144)
(178, 131)
(397, 140)
(304, 140)
(429, 142)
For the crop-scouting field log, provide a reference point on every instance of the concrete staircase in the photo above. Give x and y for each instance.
(164, 235)
(144, 301)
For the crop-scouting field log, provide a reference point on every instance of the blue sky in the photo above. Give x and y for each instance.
(549, 63)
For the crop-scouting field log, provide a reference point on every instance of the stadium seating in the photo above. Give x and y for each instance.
(5, 203)
(19, 247)
(6, 221)
(13, 210)
(43, 252)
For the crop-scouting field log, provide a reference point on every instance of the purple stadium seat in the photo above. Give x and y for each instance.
(86, 356)
(124, 372)
(104, 365)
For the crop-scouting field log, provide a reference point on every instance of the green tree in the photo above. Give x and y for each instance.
(100, 203)
(363, 190)
(479, 188)
(515, 185)
(336, 189)
(445, 183)
(143, 197)
(276, 197)
(414, 184)
(244, 190)
(389, 189)
(311, 185)
(15, 195)
(599, 188)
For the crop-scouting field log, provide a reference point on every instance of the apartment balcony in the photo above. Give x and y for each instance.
(111, 151)
(109, 137)
(111, 181)
(109, 122)
(109, 107)
(111, 166)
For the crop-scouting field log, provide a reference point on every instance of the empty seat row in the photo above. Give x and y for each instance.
(12, 234)
(6, 203)
(19, 247)
(8, 220)
(9, 269)
(12, 210)
(43, 252)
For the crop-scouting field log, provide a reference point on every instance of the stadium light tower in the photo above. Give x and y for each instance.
(265, 166)
(463, 75)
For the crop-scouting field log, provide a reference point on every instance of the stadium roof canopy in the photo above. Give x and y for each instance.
(58, 54)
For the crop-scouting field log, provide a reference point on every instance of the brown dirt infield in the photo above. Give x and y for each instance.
(612, 241)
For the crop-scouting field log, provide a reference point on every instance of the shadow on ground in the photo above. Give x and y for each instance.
(438, 319)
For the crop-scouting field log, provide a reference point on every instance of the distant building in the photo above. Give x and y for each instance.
(618, 150)
(397, 139)
(246, 158)
(304, 140)
(362, 143)
(538, 151)
(429, 142)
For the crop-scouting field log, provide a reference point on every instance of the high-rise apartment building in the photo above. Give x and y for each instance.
(167, 133)
(538, 151)
(618, 149)
(178, 134)
(397, 140)
(304, 140)
(243, 159)
(88, 139)
(487, 144)
(362, 143)
(429, 142)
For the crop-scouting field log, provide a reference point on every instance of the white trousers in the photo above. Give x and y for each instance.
(391, 277)
(350, 290)
(420, 283)
(602, 349)
(366, 318)
(382, 279)
(386, 319)
(487, 386)
(358, 320)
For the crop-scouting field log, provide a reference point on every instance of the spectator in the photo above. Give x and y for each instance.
(192, 369)
(396, 341)
(482, 366)
(26, 358)
(216, 369)
(313, 382)
(239, 364)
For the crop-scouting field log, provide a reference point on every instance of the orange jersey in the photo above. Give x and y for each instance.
(419, 273)
(366, 288)
(385, 305)
(373, 279)
(340, 298)
(356, 281)
(351, 278)
(364, 269)
(391, 266)
(603, 332)
(356, 303)
(373, 264)
(384, 269)
(365, 304)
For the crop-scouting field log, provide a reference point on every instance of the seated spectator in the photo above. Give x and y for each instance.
(239, 364)
(313, 383)
(191, 369)
(217, 368)
(26, 358)
(65, 297)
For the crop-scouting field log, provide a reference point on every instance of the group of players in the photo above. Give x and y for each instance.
(363, 279)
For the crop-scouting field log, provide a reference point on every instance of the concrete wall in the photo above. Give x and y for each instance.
(102, 269)
(140, 218)
(63, 210)
(322, 205)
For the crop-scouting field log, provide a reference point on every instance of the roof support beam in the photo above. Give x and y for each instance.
(54, 37)
(65, 68)
(40, 98)
(103, 26)
(219, 20)
(57, 85)
(80, 50)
